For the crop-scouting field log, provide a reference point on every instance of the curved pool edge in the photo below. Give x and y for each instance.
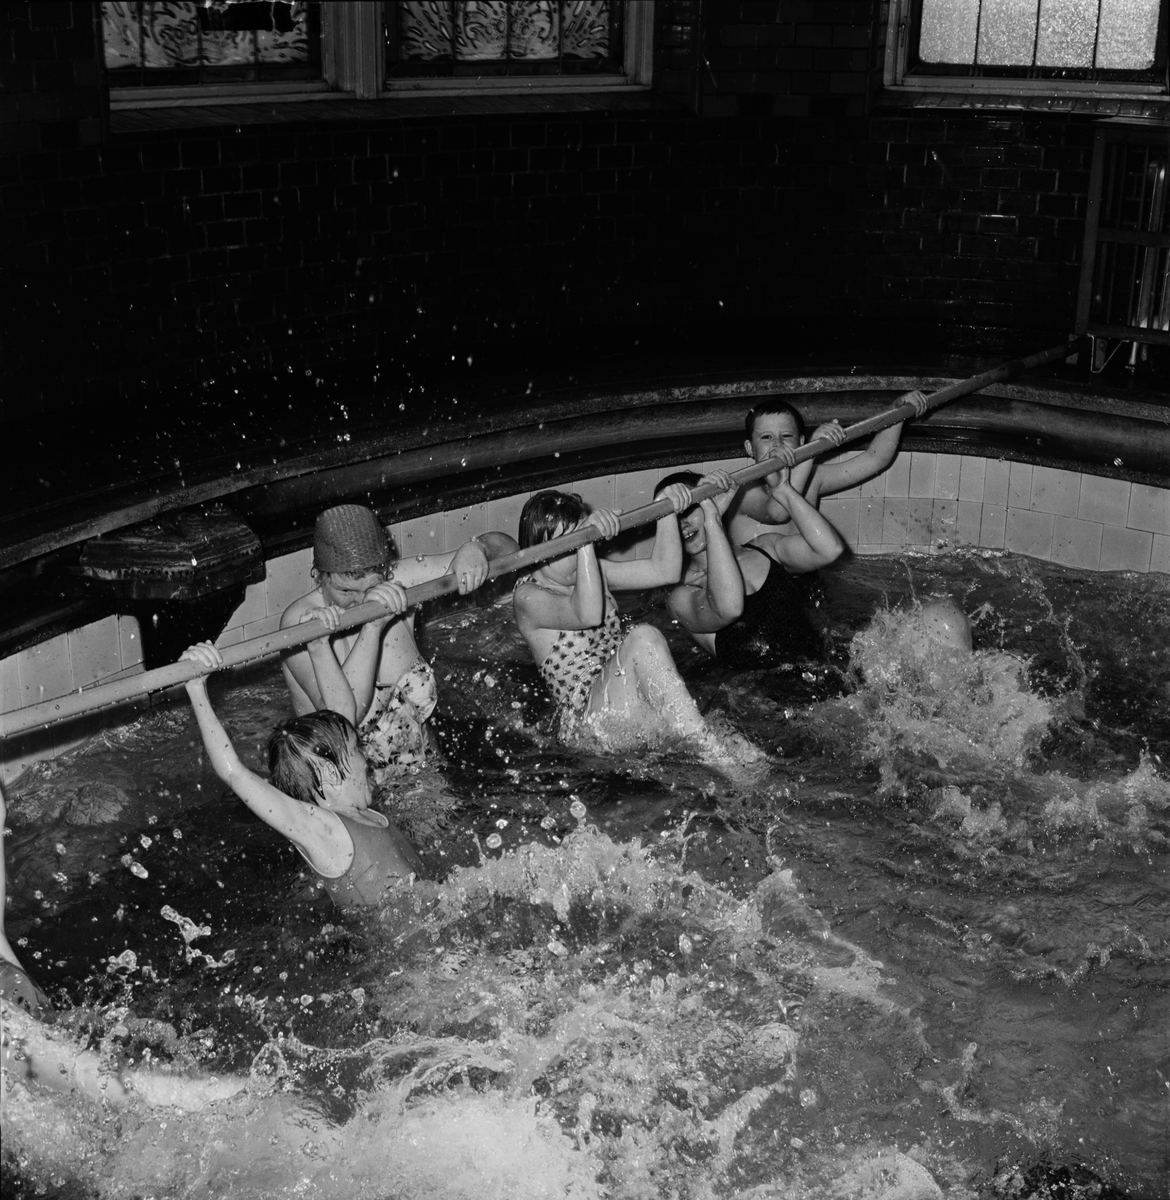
(1027, 467)
(1039, 421)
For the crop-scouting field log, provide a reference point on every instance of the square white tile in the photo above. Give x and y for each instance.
(946, 476)
(1104, 500)
(996, 479)
(1019, 485)
(1029, 533)
(922, 474)
(1055, 491)
(1077, 543)
(1126, 549)
(972, 475)
(1149, 508)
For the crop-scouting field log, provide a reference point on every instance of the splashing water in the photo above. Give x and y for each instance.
(924, 946)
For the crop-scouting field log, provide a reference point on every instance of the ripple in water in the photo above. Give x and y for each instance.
(924, 946)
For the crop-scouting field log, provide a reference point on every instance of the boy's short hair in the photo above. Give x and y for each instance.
(297, 747)
(771, 408)
(689, 478)
(543, 512)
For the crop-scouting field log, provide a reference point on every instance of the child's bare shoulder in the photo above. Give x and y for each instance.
(300, 606)
(525, 592)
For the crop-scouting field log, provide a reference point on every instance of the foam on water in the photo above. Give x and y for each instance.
(922, 698)
(919, 948)
(933, 714)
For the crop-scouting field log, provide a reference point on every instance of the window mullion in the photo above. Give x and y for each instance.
(353, 49)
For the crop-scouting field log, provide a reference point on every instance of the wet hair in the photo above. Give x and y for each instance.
(543, 512)
(690, 478)
(771, 408)
(297, 748)
(383, 570)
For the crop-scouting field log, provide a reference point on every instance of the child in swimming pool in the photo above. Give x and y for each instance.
(775, 429)
(623, 685)
(769, 623)
(393, 685)
(319, 796)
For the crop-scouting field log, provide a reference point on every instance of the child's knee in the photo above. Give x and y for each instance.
(645, 641)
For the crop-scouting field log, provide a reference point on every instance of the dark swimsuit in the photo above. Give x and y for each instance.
(774, 627)
(381, 855)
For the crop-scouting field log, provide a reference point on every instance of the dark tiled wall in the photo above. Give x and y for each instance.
(791, 214)
(976, 223)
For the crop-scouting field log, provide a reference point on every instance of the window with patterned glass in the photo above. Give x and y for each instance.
(477, 39)
(1042, 45)
(169, 43)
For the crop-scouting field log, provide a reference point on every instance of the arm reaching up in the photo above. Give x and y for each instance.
(815, 543)
(715, 599)
(311, 829)
(873, 460)
(582, 607)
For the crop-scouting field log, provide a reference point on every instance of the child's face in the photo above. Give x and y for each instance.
(770, 432)
(347, 591)
(693, 529)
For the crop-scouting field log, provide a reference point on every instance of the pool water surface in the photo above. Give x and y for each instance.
(925, 945)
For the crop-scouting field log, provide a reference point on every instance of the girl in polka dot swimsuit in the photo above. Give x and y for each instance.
(625, 687)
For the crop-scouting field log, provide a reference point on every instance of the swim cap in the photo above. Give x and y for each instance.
(348, 540)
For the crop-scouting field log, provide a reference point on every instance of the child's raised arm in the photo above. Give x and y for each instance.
(349, 689)
(584, 606)
(875, 458)
(303, 824)
(719, 601)
(360, 666)
(469, 564)
(815, 543)
(664, 566)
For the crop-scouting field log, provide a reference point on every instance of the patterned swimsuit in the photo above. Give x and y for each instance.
(394, 733)
(576, 659)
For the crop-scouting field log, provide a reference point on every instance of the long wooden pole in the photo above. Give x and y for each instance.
(49, 712)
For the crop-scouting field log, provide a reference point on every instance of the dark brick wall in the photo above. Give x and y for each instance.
(787, 58)
(49, 86)
(976, 223)
(791, 215)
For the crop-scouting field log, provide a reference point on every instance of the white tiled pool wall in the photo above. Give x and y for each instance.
(926, 502)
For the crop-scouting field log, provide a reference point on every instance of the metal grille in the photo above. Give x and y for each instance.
(1125, 281)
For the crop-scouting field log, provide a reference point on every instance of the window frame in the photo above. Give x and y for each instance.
(896, 77)
(352, 68)
(1097, 235)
